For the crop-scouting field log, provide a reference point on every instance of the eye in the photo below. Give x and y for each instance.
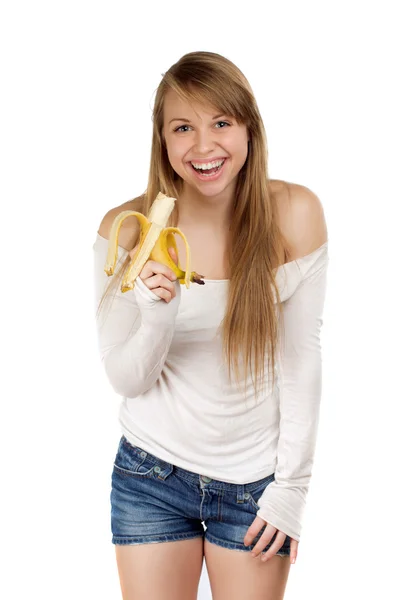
(226, 123)
(178, 128)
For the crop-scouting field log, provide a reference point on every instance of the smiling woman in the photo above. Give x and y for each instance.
(221, 382)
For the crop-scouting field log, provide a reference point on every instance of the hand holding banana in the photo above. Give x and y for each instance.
(158, 277)
(153, 250)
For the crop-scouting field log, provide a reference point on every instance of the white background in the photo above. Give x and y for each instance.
(78, 83)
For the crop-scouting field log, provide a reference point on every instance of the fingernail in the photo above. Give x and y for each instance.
(293, 560)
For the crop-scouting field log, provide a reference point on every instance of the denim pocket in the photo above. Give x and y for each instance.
(254, 492)
(133, 461)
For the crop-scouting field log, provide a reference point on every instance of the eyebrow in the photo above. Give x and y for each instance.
(188, 121)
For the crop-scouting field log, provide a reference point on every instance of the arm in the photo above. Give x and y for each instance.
(134, 329)
(300, 384)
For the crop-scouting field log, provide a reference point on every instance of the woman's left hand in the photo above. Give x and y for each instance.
(265, 539)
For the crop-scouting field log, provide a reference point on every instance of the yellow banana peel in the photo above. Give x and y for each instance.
(154, 241)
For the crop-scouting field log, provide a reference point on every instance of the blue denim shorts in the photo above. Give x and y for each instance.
(155, 501)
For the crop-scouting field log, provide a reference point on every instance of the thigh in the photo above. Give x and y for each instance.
(170, 571)
(237, 575)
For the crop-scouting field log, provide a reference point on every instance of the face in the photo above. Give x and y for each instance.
(202, 138)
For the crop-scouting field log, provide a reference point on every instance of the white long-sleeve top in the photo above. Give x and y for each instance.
(165, 360)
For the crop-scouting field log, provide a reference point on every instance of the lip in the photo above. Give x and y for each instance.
(203, 161)
(217, 175)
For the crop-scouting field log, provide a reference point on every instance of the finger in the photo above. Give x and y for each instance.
(153, 267)
(293, 550)
(166, 295)
(160, 281)
(253, 530)
(133, 251)
(163, 294)
(278, 543)
(264, 540)
(173, 255)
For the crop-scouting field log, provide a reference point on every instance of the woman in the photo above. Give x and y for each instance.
(200, 446)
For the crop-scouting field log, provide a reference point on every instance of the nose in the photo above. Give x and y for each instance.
(204, 141)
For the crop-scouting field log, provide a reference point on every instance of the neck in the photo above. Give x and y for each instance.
(196, 209)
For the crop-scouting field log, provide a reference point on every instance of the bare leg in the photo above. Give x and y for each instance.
(167, 570)
(237, 575)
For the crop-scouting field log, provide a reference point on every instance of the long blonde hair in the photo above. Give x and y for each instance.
(250, 327)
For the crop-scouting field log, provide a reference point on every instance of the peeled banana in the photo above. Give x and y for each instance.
(154, 241)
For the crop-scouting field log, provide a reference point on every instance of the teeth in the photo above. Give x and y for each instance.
(216, 163)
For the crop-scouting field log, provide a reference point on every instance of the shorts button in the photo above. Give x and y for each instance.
(157, 469)
(247, 495)
(143, 454)
(205, 479)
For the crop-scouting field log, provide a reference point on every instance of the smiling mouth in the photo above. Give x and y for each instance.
(208, 172)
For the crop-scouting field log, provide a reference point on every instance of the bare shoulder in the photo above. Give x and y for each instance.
(301, 218)
(129, 231)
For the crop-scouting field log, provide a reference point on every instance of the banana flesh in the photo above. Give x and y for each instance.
(154, 240)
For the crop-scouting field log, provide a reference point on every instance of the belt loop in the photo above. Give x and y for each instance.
(240, 493)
